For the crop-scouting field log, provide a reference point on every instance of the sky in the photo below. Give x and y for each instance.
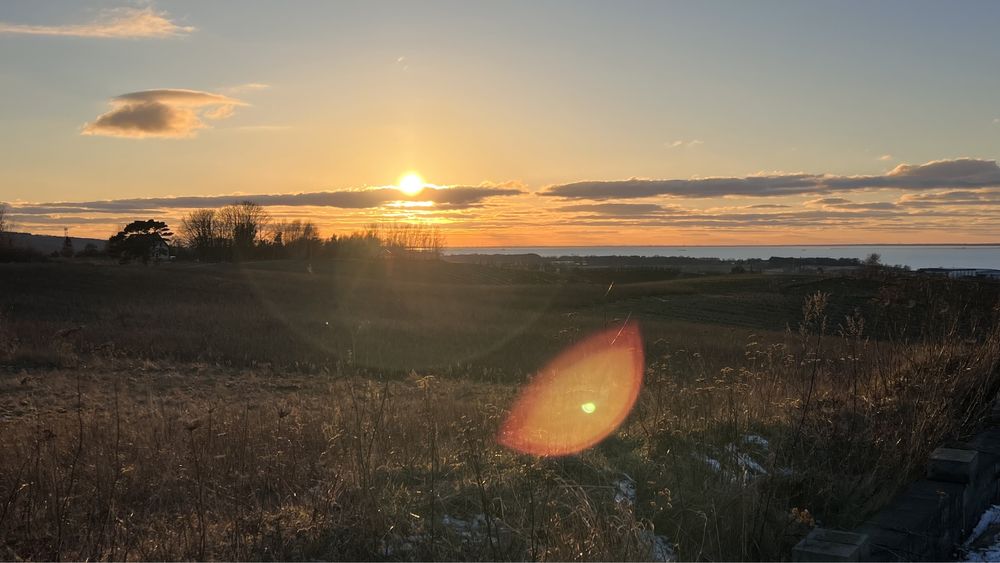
(532, 123)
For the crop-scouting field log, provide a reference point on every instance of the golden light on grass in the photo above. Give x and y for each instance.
(411, 183)
(580, 397)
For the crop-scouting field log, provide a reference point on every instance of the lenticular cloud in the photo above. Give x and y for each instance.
(169, 113)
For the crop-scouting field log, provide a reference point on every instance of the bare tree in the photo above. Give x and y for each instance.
(243, 224)
(6, 224)
(409, 239)
(296, 238)
(200, 231)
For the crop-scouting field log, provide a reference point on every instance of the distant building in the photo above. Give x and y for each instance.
(956, 273)
(160, 251)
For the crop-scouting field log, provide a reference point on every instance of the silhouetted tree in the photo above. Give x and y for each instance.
(363, 244)
(408, 239)
(5, 225)
(67, 247)
(90, 250)
(201, 232)
(872, 264)
(139, 240)
(296, 238)
(4, 218)
(243, 224)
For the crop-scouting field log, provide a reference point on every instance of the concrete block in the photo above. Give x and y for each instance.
(948, 498)
(892, 545)
(831, 545)
(988, 440)
(923, 522)
(978, 497)
(994, 415)
(954, 465)
(987, 443)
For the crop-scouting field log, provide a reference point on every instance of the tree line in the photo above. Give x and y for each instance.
(245, 231)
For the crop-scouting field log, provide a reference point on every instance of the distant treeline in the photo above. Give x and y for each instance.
(651, 262)
(245, 231)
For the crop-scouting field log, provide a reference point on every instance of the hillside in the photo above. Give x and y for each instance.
(47, 244)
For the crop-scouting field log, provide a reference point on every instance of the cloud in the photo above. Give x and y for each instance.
(167, 113)
(458, 197)
(939, 174)
(885, 157)
(788, 184)
(682, 143)
(953, 197)
(616, 209)
(828, 201)
(248, 87)
(888, 219)
(846, 204)
(116, 23)
(840, 203)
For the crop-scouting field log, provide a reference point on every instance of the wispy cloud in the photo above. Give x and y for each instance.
(248, 87)
(940, 174)
(681, 143)
(841, 203)
(620, 209)
(115, 23)
(168, 113)
(885, 157)
(980, 197)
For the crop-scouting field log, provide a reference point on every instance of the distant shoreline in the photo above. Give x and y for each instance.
(942, 244)
(916, 256)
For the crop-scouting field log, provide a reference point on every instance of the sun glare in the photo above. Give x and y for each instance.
(411, 184)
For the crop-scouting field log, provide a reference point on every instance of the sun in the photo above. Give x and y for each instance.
(411, 183)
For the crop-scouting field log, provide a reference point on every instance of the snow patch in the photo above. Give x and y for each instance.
(746, 462)
(468, 529)
(988, 522)
(660, 548)
(625, 490)
(711, 462)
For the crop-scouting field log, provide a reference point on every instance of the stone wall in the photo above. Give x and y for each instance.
(930, 518)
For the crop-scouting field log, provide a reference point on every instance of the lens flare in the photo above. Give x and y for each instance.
(579, 398)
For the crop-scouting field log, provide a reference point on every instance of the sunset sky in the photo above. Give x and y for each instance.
(533, 123)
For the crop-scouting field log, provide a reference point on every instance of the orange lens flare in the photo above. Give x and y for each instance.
(580, 397)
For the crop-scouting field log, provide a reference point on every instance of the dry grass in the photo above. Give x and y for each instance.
(120, 455)
(162, 464)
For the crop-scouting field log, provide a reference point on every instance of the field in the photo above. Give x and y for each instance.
(348, 409)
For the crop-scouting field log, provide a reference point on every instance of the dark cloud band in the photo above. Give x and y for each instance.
(449, 198)
(941, 174)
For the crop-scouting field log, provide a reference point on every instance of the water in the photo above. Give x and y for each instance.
(914, 256)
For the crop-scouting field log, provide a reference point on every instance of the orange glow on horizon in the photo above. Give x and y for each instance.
(580, 398)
